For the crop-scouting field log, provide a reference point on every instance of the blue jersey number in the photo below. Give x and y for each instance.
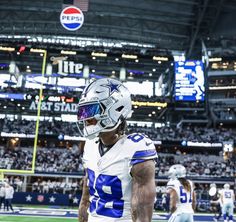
(136, 137)
(108, 203)
(227, 194)
(183, 195)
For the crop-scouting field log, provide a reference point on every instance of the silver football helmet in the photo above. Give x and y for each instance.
(227, 186)
(177, 171)
(106, 101)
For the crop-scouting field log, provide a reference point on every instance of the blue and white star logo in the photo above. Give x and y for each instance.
(75, 200)
(52, 199)
(28, 198)
(113, 87)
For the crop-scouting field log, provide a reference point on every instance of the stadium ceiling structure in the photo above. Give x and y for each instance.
(144, 28)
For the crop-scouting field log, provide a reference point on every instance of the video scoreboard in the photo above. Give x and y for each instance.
(189, 81)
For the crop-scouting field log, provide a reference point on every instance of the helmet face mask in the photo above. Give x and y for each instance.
(177, 171)
(106, 100)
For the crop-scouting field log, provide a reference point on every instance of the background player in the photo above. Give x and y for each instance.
(9, 192)
(120, 172)
(216, 204)
(227, 198)
(2, 195)
(182, 196)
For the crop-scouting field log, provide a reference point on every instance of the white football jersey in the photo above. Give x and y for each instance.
(109, 178)
(227, 196)
(184, 201)
(9, 192)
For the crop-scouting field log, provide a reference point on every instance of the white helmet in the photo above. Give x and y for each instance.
(226, 186)
(177, 171)
(106, 100)
(213, 190)
(212, 185)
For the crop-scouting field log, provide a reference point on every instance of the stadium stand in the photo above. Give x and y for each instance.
(197, 132)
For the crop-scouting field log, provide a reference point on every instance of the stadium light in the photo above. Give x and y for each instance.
(64, 52)
(99, 54)
(86, 72)
(126, 56)
(37, 50)
(160, 58)
(122, 74)
(49, 69)
(9, 49)
(217, 59)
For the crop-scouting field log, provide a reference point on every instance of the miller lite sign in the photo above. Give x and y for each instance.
(69, 67)
(72, 18)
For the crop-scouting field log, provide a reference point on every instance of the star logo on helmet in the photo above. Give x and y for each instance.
(113, 87)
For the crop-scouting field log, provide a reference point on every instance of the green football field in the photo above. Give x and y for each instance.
(69, 215)
(9, 218)
(39, 219)
(33, 219)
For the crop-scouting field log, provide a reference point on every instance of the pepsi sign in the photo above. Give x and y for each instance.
(72, 18)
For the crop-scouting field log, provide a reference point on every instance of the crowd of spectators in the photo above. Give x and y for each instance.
(20, 159)
(184, 133)
(210, 166)
(58, 160)
(16, 182)
(56, 186)
(50, 162)
(69, 161)
(47, 160)
(45, 184)
(23, 126)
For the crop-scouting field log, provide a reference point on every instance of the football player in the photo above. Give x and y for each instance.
(227, 199)
(120, 169)
(215, 202)
(182, 196)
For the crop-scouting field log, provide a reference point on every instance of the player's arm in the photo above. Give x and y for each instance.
(221, 197)
(84, 202)
(193, 198)
(194, 201)
(173, 199)
(143, 191)
(81, 147)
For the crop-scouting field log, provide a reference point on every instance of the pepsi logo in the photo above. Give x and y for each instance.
(72, 18)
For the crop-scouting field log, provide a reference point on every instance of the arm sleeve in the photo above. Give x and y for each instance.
(171, 185)
(144, 150)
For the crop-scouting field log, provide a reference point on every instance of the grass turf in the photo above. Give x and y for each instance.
(8, 218)
(40, 219)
